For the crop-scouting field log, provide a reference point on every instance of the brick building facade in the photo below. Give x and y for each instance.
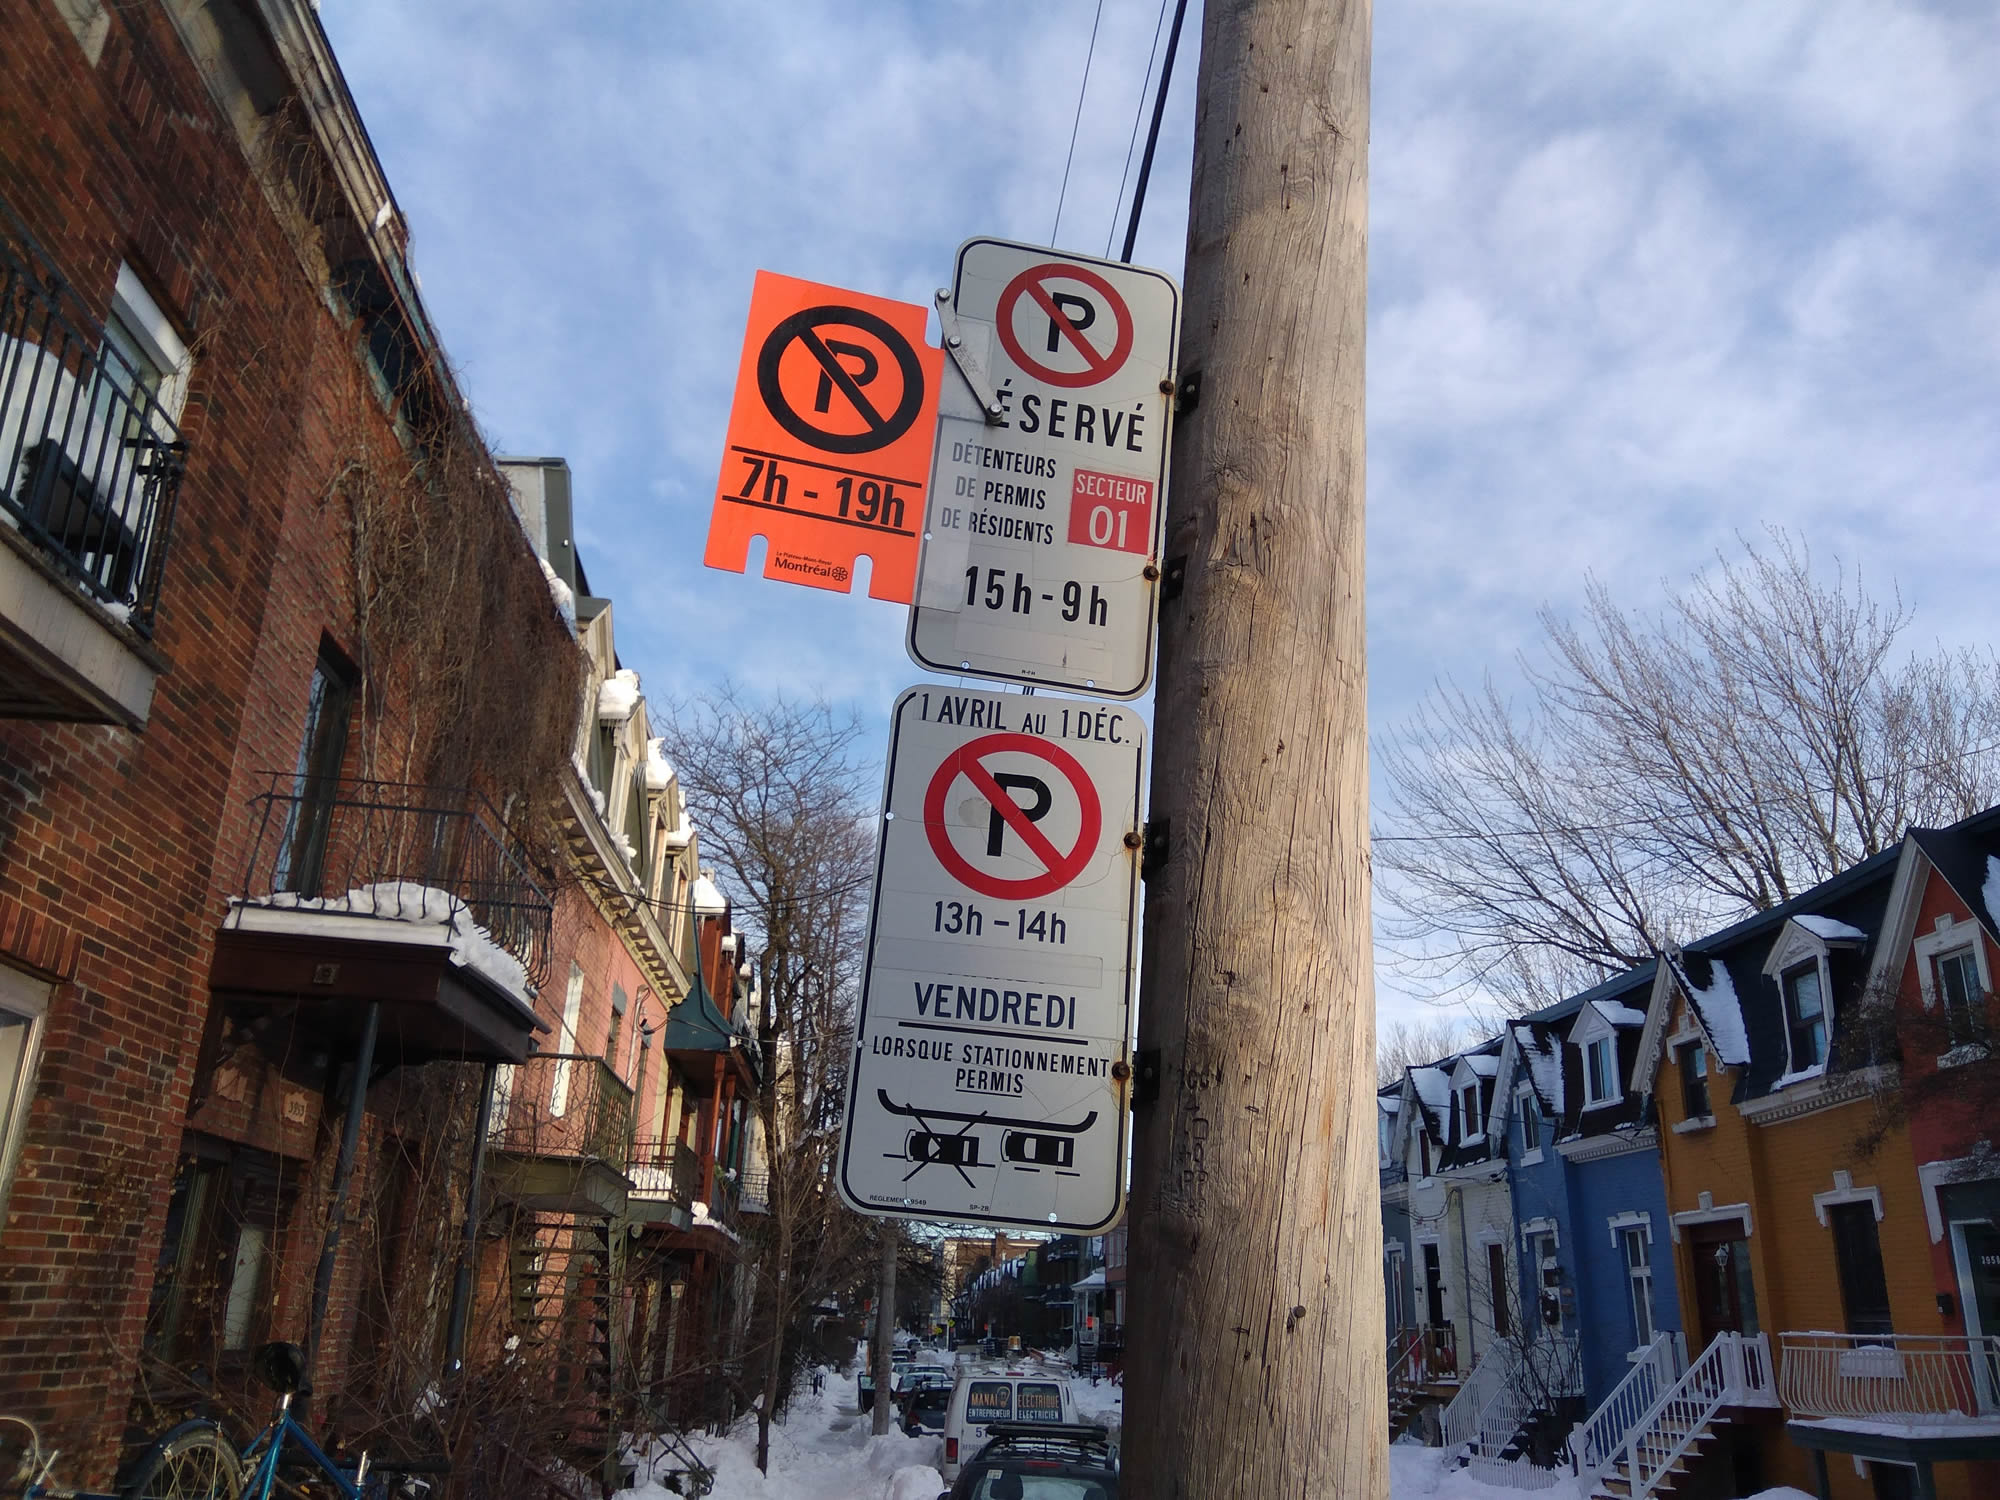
(290, 882)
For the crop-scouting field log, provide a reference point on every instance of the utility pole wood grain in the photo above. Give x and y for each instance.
(1256, 1332)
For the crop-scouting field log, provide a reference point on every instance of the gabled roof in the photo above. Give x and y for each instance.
(1967, 856)
(1737, 1003)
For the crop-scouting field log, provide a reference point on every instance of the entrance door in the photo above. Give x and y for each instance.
(1725, 1297)
(1978, 1254)
(1433, 1287)
(1399, 1294)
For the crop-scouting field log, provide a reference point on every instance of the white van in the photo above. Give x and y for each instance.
(1011, 1395)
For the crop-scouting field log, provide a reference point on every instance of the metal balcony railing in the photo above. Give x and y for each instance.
(90, 462)
(1890, 1376)
(563, 1104)
(665, 1170)
(402, 853)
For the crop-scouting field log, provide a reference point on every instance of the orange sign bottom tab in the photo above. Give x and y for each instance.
(830, 430)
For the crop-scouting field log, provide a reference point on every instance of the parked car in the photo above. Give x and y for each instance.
(982, 1397)
(1040, 1461)
(923, 1398)
(864, 1382)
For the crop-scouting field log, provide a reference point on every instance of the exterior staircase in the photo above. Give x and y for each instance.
(1513, 1388)
(1422, 1373)
(565, 1274)
(1629, 1448)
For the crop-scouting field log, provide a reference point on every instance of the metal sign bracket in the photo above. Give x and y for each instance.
(965, 359)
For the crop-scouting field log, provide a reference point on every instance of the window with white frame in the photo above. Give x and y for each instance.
(23, 1000)
(1805, 1017)
(1693, 1061)
(1637, 1243)
(1468, 1113)
(1531, 1124)
(1545, 1274)
(1600, 1070)
(1959, 991)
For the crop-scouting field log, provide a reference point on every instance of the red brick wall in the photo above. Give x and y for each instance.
(118, 849)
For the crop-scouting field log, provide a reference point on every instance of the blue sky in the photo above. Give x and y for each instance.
(1642, 277)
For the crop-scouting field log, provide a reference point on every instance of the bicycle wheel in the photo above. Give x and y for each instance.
(192, 1462)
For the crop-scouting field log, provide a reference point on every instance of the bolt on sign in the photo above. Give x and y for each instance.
(829, 441)
(991, 1063)
(1040, 560)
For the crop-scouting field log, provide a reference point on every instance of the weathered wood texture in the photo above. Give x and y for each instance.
(1255, 1337)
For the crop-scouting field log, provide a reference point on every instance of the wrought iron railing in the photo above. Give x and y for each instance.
(563, 1104)
(1889, 1377)
(402, 853)
(755, 1191)
(665, 1170)
(90, 462)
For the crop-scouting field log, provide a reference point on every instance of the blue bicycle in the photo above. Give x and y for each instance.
(195, 1461)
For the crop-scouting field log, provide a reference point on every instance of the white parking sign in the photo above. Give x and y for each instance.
(1040, 559)
(990, 1064)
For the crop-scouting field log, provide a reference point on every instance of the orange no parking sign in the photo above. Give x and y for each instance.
(829, 445)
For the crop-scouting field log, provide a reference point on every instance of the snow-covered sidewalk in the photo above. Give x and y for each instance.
(823, 1451)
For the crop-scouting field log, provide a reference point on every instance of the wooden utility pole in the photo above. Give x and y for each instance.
(1255, 1339)
(885, 1329)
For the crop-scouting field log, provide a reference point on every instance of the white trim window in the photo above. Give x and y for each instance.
(1600, 1070)
(24, 1000)
(1531, 1126)
(1804, 990)
(1692, 1060)
(1636, 1242)
(1952, 970)
(1468, 1113)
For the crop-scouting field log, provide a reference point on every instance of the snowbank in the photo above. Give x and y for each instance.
(822, 1450)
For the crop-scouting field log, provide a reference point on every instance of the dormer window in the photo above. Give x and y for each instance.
(1468, 1113)
(1600, 1071)
(1424, 1152)
(1531, 1124)
(1805, 1017)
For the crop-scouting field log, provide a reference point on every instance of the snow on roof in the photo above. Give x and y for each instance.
(1619, 1015)
(1389, 1104)
(618, 695)
(1991, 891)
(1831, 931)
(1485, 1064)
(1720, 1011)
(471, 945)
(1544, 1066)
(1433, 1086)
(560, 591)
(708, 897)
(659, 773)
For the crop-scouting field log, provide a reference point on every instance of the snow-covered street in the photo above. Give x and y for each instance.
(823, 1451)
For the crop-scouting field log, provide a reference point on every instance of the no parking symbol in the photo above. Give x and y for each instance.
(1057, 769)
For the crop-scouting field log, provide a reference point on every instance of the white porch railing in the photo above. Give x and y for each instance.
(1735, 1370)
(1601, 1435)
(1458, 1424)
(1899, 1375)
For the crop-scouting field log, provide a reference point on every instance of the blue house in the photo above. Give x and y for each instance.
(1584, 1165)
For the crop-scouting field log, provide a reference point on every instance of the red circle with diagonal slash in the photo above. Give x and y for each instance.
(1030, 283)
(1059, 869)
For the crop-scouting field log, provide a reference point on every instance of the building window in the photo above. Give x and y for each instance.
(211, 1283)
(566, 1043)
(22, 1003)
(1547, 1273)
(1638, 1246)
(1964, 1003)
(1693, 1061)
(1496, 1276)
(1805, 1017)
(1424, 1152)
(1857, 1253)
(1600, 1070)
(1531, 1124)
(1433, 1285)
(1468, 1114)
(316, 777)
(1382, 1138)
